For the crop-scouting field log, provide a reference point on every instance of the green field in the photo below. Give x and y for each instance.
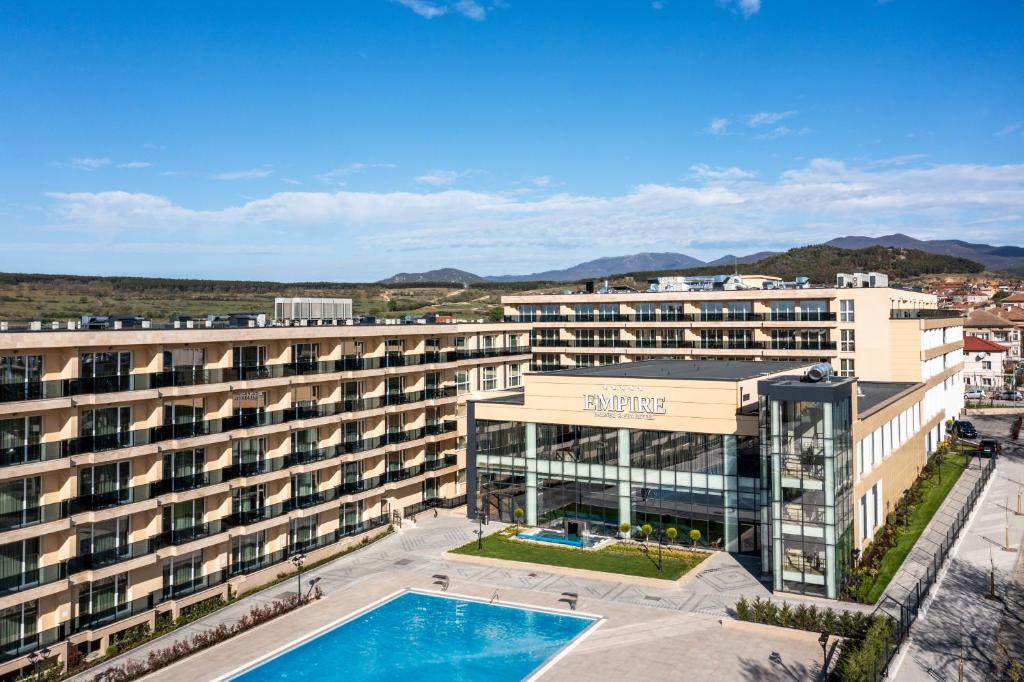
(621, 558)
(933, 492)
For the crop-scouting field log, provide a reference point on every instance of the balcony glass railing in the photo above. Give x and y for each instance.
(194, 376)
(100, 443)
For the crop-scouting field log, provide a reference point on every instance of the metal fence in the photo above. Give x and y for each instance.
(902, 614)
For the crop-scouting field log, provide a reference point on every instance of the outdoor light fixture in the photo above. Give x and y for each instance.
(823, 641)
(36, 658)
(297, 561)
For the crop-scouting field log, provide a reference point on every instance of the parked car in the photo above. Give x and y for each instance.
(1010, 395)
(987, 447)
(965, 429)
(974, 394)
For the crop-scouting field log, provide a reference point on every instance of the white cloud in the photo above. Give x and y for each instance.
(430, 9)
(439, 178)
(89, 163)
(1011, 128)
(291, 181)
(135, 164)
(716, 210)
(767, 118)
(542, 181)
(749, 7)
(337, 175)
(706, 172)
(717, 126)
(248, 174)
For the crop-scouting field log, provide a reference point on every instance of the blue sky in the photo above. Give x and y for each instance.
(350, 140)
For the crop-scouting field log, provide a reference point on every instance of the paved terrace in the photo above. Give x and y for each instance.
(650, 632)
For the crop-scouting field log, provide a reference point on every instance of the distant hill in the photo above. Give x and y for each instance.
(606, 267)
(439, 276)
(994, 258)
(821, 263)
(726, 261)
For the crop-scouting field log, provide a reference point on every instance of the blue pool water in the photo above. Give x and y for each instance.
(425, 638)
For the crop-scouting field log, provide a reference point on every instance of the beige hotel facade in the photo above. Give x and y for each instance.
(143, 470)
(686, 409)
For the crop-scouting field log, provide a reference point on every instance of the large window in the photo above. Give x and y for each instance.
(846, 312)
(19, 502)
(515, 376)
(247, 551)
(847, 342)
(18, 622)
(183, 574)
(107, 364)
(462, 381)
(19, 369)
(846, 368)
(489, 378)
(305, 353)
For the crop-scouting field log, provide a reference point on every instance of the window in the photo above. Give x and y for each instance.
(846, 368)
(985, 364)
(584, 312)
(247, 550)
(645, 311)
(711, 311)
(106, 364)
(103, 597)
(305, 353)
(249, 356)
(18, 369)
(489, 378)
(672, 311)
(846, 310)
(783, 310)
(527, 313)
(847, 343)
(609, 312)
(461, 381)
(182, 574)
(813, 310)
(515, 376)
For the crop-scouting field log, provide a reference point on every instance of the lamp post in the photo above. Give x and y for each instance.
(297, 561)
(823, 641)
(36, 658)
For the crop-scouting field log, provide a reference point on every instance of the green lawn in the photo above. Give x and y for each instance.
(933, 492)
(622, 559)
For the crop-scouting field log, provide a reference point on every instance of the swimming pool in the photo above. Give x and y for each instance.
(428, 638)
(559, 538)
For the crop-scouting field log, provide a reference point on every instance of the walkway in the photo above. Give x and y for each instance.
(960, 622)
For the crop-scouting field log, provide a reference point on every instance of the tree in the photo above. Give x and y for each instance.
(495, 314)
(519, 514)
(671, 533)
(646, 530)
(624, 528)
(694, 536)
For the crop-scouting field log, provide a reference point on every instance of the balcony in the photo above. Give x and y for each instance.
(195, 376)
(924, 314)
(39, 452)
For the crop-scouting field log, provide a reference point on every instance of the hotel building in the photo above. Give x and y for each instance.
(143, 470)
(858, 330)
(761, 461)
(800, 474)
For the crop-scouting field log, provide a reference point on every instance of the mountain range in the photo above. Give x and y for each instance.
(993, 258)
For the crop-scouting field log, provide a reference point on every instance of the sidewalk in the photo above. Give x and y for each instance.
(960, 622)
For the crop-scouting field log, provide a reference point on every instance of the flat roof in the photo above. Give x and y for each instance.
(875, 393)
(709, 370)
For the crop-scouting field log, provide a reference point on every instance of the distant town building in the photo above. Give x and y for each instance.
(984, 362)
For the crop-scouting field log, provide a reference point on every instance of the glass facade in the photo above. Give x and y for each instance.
(806, 447)
(587, 480)
(783, 495)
